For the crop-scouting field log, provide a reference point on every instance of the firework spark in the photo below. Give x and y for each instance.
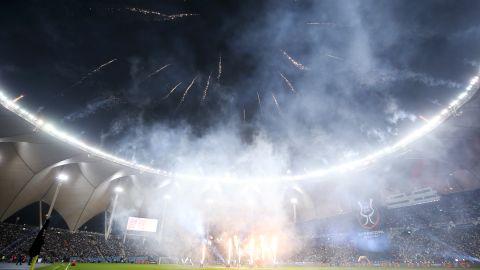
(165, 17)
(156, 71)
(18, 98)
(171, 91)
(205, 91)
(294, 62)
(186, 91)
(288, 82)
(276, 103)
(219, 67)
(93, 72)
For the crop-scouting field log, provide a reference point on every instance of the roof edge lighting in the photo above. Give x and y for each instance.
(435, 121)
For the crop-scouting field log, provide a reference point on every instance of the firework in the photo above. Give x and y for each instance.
(294, 62)
(322, 23)
(259, 100)
(334, 57)
(186, 91)
(156, 71)
(423, 118)
(288, 82)
(18, 98)
(276, 103)
(93, 72)
(219, 67)
(205, 91)
(171, 91)
(165, 17)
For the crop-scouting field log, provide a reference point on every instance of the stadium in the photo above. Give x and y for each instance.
(221, 134)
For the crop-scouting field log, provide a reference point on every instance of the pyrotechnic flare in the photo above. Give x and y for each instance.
(186, 91)
(219, 67)
(251, 249)
(93, 72)
(274, 249)
(276, 103)
(156, 71)
(295, 63)
(203, 253)
(18, 98)
(206, 87)
(237, 249)
(262, 246)
(287, 82)
(171, 91)
(229, 258)
(165, 17)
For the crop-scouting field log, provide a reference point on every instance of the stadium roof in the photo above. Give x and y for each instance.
(31, 158)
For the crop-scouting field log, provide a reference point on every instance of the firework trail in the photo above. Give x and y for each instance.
(288, 82)
(93, 72)
(205, 91)
(423, 118)
(335, 57)
(18, 98)
(156, 71)
(219, 67)
(276, 103)
(259, 100)
(295, 63)
(322, 23)
(186, 91)
(171, 91)
(165, 17)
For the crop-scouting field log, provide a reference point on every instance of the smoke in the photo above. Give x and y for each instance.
(351, 102)
(93, 107)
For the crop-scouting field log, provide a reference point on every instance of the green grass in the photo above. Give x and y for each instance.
(108, 266)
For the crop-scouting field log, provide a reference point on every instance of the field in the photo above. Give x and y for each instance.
(87, 266)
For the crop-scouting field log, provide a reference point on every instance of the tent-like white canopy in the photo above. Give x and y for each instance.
(30, 160)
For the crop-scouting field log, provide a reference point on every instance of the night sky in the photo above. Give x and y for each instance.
(362, 74)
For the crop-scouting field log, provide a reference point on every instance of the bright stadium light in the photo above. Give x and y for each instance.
(362, 162)
(118, 189)
(293, 200)
(167, 197)
(63, 177)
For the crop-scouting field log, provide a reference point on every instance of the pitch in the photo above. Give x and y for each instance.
(109, 266)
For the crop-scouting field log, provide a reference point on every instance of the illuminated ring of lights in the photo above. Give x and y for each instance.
(47, 127)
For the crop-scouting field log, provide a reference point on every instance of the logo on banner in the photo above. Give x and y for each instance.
(368, 216)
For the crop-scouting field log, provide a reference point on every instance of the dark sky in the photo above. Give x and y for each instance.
(371, 68)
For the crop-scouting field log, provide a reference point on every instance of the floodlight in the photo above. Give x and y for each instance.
(63, 177)
(294, 200)
(118, 189)
(167, 197)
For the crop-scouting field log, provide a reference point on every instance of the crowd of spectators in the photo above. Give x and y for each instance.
(436, 233)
